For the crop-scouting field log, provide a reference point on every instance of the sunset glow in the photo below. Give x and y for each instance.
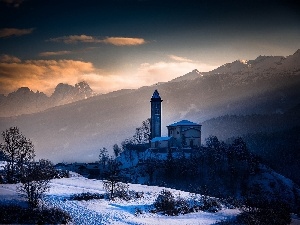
(128, 44)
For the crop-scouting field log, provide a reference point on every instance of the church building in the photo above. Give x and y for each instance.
(181, 135)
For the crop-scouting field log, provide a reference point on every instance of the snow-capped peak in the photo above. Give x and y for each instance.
(243, 61)
(196, 71)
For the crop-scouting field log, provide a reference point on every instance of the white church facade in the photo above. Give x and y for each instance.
(181, 135)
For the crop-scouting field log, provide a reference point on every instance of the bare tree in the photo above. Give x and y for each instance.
(142, 133)
(35, 181)
(113, 184)
(18, 150)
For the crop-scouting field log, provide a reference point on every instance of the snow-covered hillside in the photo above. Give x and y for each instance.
(102, 211)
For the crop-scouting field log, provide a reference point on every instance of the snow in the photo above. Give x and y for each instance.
(2, 165)
(119, 212)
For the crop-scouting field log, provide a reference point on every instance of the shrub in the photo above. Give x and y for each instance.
(210, 205)
(14, 214)
(165, 203)
(121, 191)
(138, 211)
(181, 206)
(116, 189)
(276, 213)
(86, 196)
(135, 194)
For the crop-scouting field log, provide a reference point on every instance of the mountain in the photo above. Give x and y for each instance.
(25, 101)
(64, 93)
(76, 131)
(189, 76)
(262, 64)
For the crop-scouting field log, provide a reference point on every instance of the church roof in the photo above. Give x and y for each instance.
(155, 94)
(184, 123)
(160, 139)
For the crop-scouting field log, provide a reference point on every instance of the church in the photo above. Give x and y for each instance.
(181, 135)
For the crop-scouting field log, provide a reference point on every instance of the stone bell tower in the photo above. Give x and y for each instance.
(155, 127)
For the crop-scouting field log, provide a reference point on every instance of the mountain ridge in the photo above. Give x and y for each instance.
(26, 101)
(77, 131)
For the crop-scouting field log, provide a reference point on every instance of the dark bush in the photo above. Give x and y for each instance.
(210, 205)
(86, 196)
(138, 211)
(166, 203)
(14, 214)
(275, 213)
(181, 206)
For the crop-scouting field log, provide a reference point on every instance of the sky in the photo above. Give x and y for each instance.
(117, 44)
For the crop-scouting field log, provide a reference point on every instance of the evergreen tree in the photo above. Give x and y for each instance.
(103, 157)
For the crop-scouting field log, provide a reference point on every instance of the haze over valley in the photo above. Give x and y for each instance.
(266, 86)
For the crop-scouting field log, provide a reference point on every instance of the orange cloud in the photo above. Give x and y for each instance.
(7, 32)
(42, 75)
(118, 41)
(55, 53)
(121, 41)
(9, 59)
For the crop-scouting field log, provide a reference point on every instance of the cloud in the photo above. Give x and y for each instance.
(55, 53)
(14, 3)
(9, 59)
(72, 39)
(104, 83)
(121, 41)
(42, 75)
(180, 59)
(165, 71)
(7, 32)
(118, 41)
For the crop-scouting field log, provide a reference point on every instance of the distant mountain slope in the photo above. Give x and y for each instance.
(273, 137)
(189, 76)
(76, 131)
(239, 125)
(262, 64)
(25, 101)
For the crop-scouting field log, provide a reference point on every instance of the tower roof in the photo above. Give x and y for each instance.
(155, 94)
